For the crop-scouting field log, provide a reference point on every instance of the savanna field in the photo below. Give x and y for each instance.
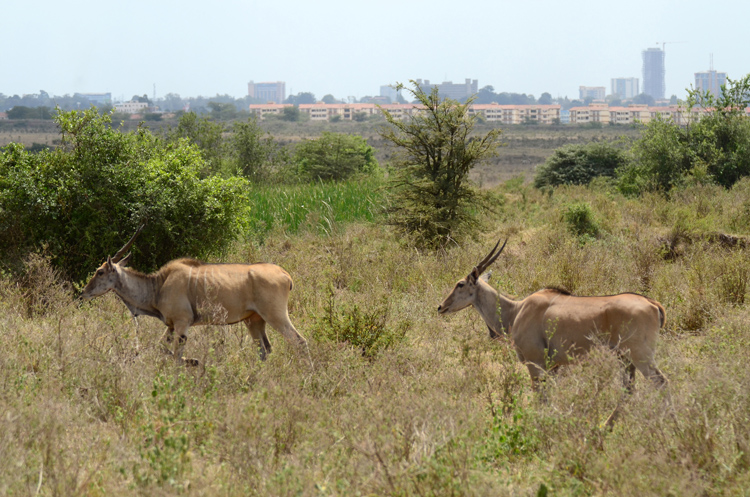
(375, 225)
(395, 399)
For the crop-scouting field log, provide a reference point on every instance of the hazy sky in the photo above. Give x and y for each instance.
(350, 48)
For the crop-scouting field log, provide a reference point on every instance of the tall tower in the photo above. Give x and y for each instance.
(711, 80)
(653, 73)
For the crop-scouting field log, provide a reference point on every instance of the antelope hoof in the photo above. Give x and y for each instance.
(191, 362)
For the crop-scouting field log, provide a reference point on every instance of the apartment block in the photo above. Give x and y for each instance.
(625, 87)
(591, 92)
(390, 92)
(274, 92)
(710, 81)
(517, 114)
(604, 114)
(448, 89)
(131, 107)
(262, 110)
(505, 114)
(324, 112)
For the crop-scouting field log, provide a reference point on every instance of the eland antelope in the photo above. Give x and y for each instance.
(551, 326)
(187, 292)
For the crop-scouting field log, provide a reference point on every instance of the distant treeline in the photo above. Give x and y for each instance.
(171, 102)
(27, 106)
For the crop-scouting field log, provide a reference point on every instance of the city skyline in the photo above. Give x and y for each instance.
(343, 49)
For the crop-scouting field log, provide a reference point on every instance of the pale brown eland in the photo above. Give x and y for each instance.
(187, 292)
(551, 327)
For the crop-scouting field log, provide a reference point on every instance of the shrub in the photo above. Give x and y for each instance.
(334, 157)
(579, 164)
(84, 200)
(366, 330)
(660, 160)
(203, 133)
(252, 154)
(580, 220)
(715, 148)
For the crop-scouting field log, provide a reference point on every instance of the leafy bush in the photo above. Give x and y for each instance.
(661, 159)
(252, 154)
(366, 330)
(580, 220)
(334, 157)
(84, 200)
(579, 164)
(203, 133)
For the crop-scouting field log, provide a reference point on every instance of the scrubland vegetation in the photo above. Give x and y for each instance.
(91, 406)
(393, 398)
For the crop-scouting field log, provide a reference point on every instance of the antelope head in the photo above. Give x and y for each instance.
(106, 276)
(466, 291)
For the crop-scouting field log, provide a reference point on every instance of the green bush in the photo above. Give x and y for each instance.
(84, 200)
(253, 153)
(366, 330)
(580, 220)
(579, 164)
(714, 148)
(203, 133)
(334, 157)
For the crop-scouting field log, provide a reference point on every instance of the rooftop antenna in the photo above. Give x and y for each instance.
(712, 62)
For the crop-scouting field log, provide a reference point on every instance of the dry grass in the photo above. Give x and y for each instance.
(89, 405)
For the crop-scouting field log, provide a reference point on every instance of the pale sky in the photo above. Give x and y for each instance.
(351, 48)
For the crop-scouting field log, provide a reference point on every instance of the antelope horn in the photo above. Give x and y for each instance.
(127, 246)
(491, 257)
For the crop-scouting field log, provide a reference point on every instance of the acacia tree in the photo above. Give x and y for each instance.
(431, 199)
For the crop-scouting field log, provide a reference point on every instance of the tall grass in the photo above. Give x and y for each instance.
(89, 405)
(291, 208)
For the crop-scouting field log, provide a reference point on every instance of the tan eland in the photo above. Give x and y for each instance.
(551, 326)
(187, 292)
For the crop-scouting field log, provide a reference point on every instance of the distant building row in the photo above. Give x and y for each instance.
(604, 114)
(626, 88)
(505, 114)
(275, 91)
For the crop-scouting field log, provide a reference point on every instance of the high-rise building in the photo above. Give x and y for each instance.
(710, 81)
(625, 87)
(269, 92)
(448, 89)
(591, 92)
(653, 73)
(389, 91)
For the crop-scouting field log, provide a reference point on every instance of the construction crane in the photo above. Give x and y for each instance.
(663, 43)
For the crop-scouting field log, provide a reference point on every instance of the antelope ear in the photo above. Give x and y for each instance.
(474, 275)
(486, 276)
(125, 260)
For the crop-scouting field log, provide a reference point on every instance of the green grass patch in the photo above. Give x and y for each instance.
(294, 208)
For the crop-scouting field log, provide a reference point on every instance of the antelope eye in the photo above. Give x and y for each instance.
(460, 285)
(100, 272)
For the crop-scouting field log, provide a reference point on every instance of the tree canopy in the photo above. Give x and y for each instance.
(432, 201)
(80, 202)
(334, 156)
